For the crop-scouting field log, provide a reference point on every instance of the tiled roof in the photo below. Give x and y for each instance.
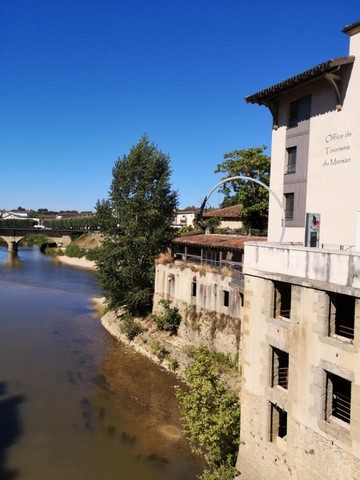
(311, 74)
(227, 212)
(235, 242)
(352, 28)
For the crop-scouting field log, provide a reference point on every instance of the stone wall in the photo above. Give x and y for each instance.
(211, 308)
(314, 446)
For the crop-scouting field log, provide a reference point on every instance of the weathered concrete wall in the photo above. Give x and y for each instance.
(205, 317)
(314, 447)
(334, 270)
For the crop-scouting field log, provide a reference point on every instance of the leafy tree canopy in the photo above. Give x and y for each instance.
(136, 222)
(252, 163)
(210, 413)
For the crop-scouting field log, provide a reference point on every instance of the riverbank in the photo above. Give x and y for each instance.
(171, 352)
(77, 262)
(167, 351)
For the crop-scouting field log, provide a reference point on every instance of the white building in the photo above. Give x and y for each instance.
(300, 346)
(185, 218)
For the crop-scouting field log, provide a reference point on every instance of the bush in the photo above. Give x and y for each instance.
(92, 254)
(159, 350)
(170, 319)
(73, 250)
(223, 472)
(210, 413)
(130, 328)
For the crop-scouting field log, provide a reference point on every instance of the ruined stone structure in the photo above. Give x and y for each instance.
(300, 345)
(206, 283)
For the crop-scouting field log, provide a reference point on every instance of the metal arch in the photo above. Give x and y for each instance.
(242, 177)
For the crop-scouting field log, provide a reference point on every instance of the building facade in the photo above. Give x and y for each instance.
(300, 346)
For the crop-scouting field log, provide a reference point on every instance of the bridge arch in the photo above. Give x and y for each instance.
(13, 238)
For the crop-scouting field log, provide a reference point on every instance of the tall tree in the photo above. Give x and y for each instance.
(251, 163)
(136, 222)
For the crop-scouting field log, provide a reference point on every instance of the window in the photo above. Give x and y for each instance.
(282, 300)
(226, 298)
(289, 206)
(280, 368)
(338, 398)
(299, 110)
(291, 160)
(278, 423)
(193, 289)
(341, 315)
(294, 114)
(171, 284)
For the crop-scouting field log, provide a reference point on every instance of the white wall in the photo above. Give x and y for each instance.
(333, 174)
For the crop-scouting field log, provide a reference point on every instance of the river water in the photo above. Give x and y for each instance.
(75, 404)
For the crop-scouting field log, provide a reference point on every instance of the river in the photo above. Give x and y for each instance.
(75, 404)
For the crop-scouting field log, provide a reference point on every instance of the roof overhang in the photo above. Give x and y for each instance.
(323, 70)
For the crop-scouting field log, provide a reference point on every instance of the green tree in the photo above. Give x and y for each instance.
(251, 163)
(210, 413)
(136, 222)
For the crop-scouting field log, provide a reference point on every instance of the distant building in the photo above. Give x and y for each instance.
(300, 347)
(229, 216)
(185, 218)
(14, 215)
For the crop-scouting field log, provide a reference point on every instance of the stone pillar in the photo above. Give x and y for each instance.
(12, 247)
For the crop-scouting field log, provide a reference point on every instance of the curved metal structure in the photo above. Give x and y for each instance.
(242, 177)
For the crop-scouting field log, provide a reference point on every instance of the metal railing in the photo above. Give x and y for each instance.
(341, 407)
(330, 246)
(235, 268)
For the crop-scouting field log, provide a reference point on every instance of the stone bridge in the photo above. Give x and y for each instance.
(13, 236)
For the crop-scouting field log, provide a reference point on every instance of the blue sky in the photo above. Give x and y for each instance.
(82, 80)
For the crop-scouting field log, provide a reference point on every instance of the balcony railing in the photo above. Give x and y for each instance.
(330, 246)
(235, 268)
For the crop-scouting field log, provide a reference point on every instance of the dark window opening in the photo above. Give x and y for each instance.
(241, 299)
(193, 289)
(338, 398)
(291, 160)
(289, 206)
(278, 423)
(342, 315)
(294, 113)
(280, 368)
(299, 110)
(226, 298)
(282, 300)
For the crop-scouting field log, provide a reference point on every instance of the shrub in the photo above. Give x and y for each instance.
(51, 250)
(169, 320)
(164, 258)
(159, 350)
(210, 413)
(223, 472)
(130, 328)
(92, 254)
(174, 364)
(73, 250)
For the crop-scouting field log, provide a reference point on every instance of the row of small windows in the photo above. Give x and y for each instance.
(337, 396)
(341, 313)
(337, 406)
(341, 324)
(226, 294)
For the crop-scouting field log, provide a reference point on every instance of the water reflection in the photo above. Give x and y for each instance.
(13, 260)
(79, 405)
(10, 428)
